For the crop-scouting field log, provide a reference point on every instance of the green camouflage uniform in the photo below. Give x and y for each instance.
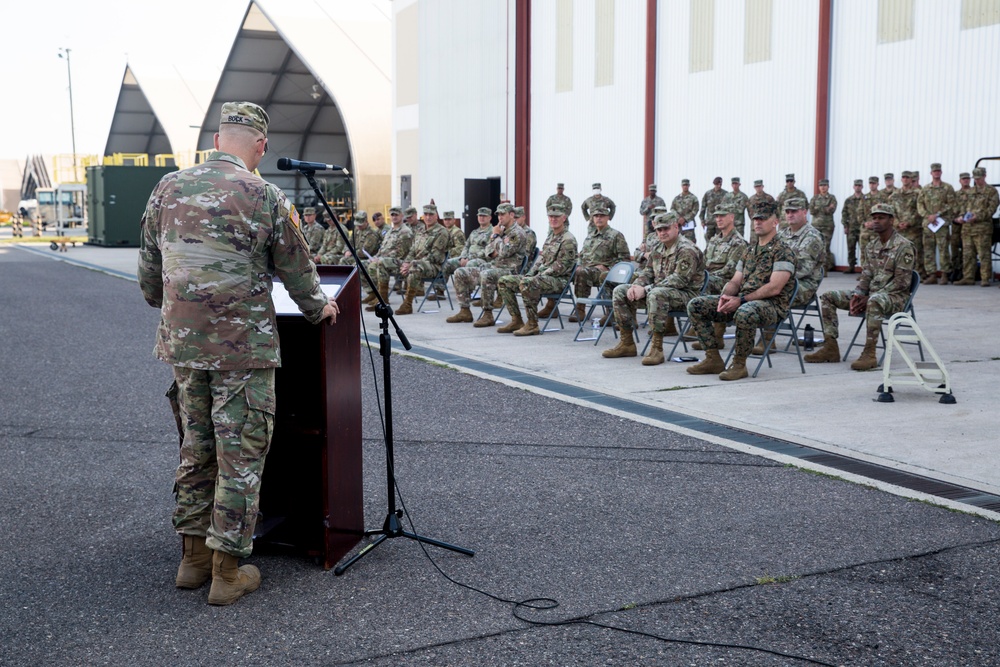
(721, 257)
(977, 233)
(395, 246)
(850, 217)
(885, 280)
(738, 201)
(907, 221)
(821, 208)
(473, 250)
(709, 202)
(547, 275)
(210, 275)
(430, 245)
(810, 258)
(503, 256)
(607, 248)
(757, 266)
(365, 239)
(936, 200)
(686, 206)
(673, 275)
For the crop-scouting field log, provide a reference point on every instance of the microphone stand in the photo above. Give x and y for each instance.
(391, 527)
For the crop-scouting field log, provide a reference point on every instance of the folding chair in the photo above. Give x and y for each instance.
(436, 282)
(683, 322)
(525, 265)
(784, 327)
(619, 274)
(908, 309)
(560, 298)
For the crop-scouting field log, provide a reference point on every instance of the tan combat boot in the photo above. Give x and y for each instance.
(720, 334)
(497, 301)
(829, 352)
(578, 315)
(530, 327)
(370, 298)
(477, 302)
(515, 323)
(485, 320)
(966, 281)
(711, 365)
(671, 328)
(229, 581)
(655, 355)
(931, 279)
(758, 349)
(383, 290)
(406, 308)
(419, 291)
(196, 565)
(624, 348)
(547, 309)
(463, 315)
(737, 370)
(867, 360)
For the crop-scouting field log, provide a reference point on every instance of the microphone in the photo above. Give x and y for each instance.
(288, 164)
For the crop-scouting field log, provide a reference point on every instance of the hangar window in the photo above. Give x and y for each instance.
(702, 42)
(757, 32)
(979, 13)
(895, 21)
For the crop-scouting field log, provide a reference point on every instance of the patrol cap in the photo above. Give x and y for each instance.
(889, 175)
(596, 186)
(410, 210)
(652, 187)
(361, 215)
(449, 215)
(685, 181)
(245, 113)
(915, 174)
(873, 179)
(735, 179)
(659, 209)
(907, 174)
(758, 183)
(309, 210)
(724, 209)
(395, 209)
(935, 166)
(824, 181)
(484, 210)
(518, 211)
(858, 181)
(560, 185)
(887, 209)
(600, 209)
(505, 207)
(666, 219)
(556, 209)
(979, 172)
(430, 208)
(795, 204)
(764, 209)
(789, 177)
(717, 180)
(964, 175)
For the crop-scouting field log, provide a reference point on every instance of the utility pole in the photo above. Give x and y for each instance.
(72, 120)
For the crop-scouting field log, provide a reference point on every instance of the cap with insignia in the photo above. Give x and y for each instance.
(410, 210)
(309, 210)
(724, 209)
(979, 172)
(505, 207)
(735, 179)
(964, 175)
(795, 204)
(484, 210)
(600, 209)
(873, 179)
(858, 181)
(764, 209)
(518, 211)
(245, 113)
(935, 166)
(789, 177)
(666, 219)
(886, 209)
(888, 176)
(430, 208)
(685, 181)
(758, 183)
(824, 181)
(555, 209)
(652, 187)
(395, 209)
(449, 215)
(361, 215)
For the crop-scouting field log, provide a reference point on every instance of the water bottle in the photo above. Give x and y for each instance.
(595, 324)
(809, 337)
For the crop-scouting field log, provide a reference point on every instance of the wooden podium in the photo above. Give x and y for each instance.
(311, 493)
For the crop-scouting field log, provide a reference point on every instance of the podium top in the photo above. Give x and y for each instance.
(331, 280)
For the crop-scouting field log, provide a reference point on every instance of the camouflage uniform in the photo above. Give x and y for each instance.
(332, 248)
(314, 236)
(473, 251)
(885, 280)
(592, 201)
(430, 245)
(604, 247)
(721, 257)
(963, 201)
(457, 238)
(810, 258)
(547, 275)
(641, 254)
(755, 200)
(396, 245)
(784, 196)
(738, 201)
(365, 239)
(866, 235)
(756, 267)
(907, 220)
(822, 207)
(937, 200)
(850, 217)
(558, 200)
(530, 241)
(673, 276)
(503, 256)
(210, 275)
(977, 233)
(709, 202)
(646, 207)
(686, 206)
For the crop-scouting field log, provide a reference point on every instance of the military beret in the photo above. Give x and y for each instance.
(518, 211)
(685, 181)
(395, 209)
(560, 185)
(764, 209)
(795, 204)
(858, 181)
(887, 209)
(979, 172)
(824, 181)
(724, 209)
(360, 215)
(484, 210)
(245, 113)
(430, 208)
(735, 179)
(873, 179)
(410, 210)
(449, 215)
(789, 177)
(600, 209)
(309, 210)
(666, 219)
(596, 186)
(964, 175)
(556, 209)
(758, 183)
(888, 176)
(505, 207)
(935, 166)
(652, 187)
(717, 179)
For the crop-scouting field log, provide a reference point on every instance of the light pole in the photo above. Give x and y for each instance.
(63, 52)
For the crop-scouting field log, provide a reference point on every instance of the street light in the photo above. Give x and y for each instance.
(64, 53)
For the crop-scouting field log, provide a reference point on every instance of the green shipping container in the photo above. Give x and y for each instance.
(116, 199)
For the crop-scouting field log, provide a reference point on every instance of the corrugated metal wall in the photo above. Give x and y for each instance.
(749, 120)
(591, 132)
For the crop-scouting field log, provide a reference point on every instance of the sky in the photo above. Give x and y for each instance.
(159, 39)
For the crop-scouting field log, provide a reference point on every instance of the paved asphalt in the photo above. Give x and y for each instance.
(625, 524)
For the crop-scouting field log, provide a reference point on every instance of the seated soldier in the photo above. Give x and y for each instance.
(503, 255)
(641, 254)
(332, 247)
(430, 245)
(530, 239)
(882, 290)
(395, 246)
(756, 296)
(473, 249)
(603, 248)
(312, 230)
(673, 275)
(549, 273)
(365, 239)
(724, 252)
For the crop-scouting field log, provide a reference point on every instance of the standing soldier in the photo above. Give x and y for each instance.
(936, 200)
(685, 205)
(603, 248)
(647, 206)
(709, 202)
(789, 191)
(365, 239)
(851, 220)
(904, 202)
(737, 202)
(963, 202)
(872, 197)
(559, 199)
(395, 246)
(593, 200)
(822, 207)
(977, 231)
(430, 245)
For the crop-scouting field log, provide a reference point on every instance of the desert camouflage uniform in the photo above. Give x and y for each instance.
(738, 201)
(473, 249)
(673, 275)
(810, 255)
(822, 207)
(709, 202)
(757, 266)
(904, 202)
(430, 245)
(721, 257)
(547, 275)
(364, 239)
(607, 248)
(977, 233)
(784, 196)
(211, 277)
(938, 200)
(885, 280)
(395, 246)
(686, 206)
(503, 256)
